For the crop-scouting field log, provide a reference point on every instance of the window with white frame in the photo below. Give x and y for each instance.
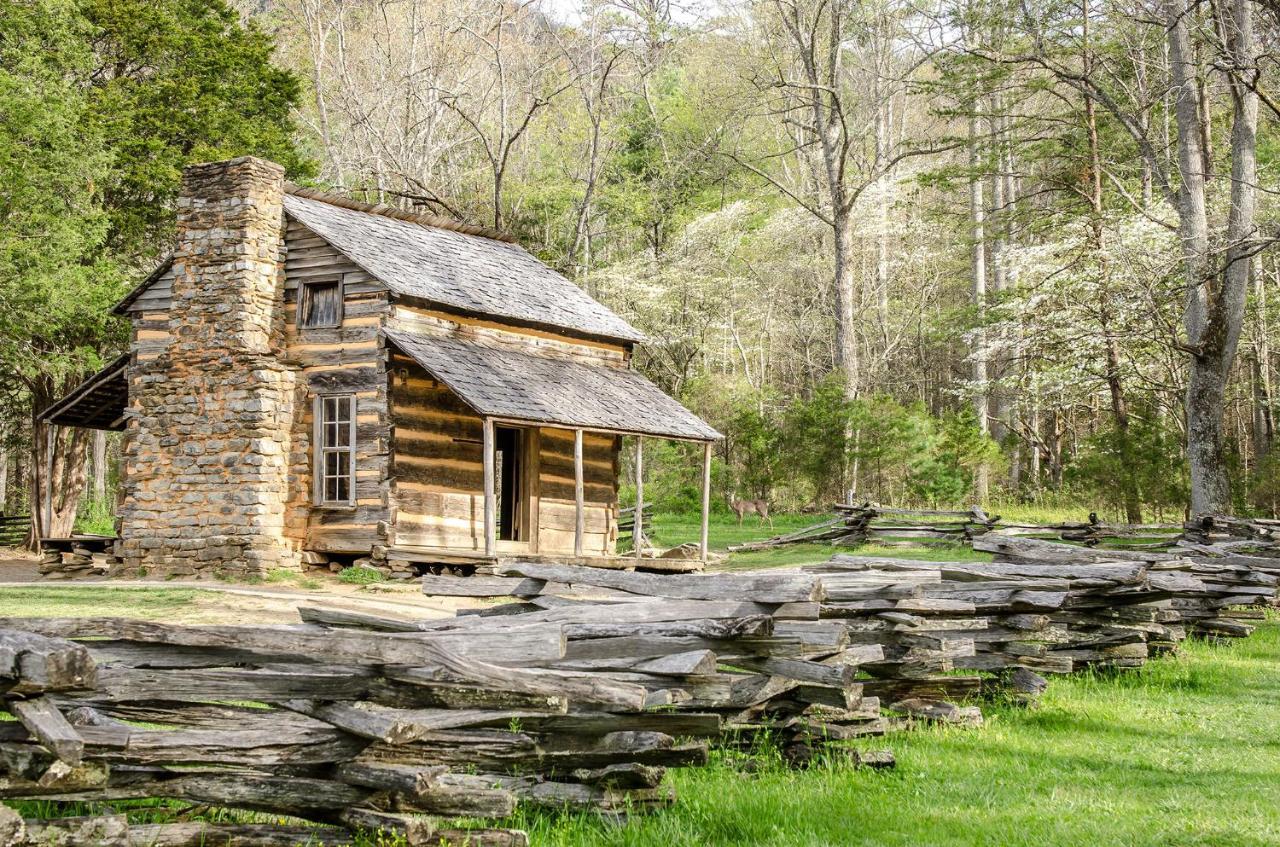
(335, 459)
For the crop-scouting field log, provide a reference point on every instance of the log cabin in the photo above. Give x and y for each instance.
(311, 373)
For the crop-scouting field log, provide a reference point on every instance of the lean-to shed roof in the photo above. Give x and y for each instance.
(504, 383)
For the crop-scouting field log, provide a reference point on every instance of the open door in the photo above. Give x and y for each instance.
(511, 489)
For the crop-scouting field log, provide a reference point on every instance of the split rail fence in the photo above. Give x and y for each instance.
(579, 691)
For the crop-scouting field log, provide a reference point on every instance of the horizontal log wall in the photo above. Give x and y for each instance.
(438, 474)
(156, 297)
(557, 513)
(338, 360)
(437, 470)
(426, 321)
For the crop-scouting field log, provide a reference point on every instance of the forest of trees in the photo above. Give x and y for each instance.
(928, 251)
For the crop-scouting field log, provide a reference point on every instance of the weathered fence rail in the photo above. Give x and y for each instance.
(870, 523)
(14, 529)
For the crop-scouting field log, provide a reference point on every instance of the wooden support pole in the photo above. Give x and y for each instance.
(490, 522)
(51, 438)
(706, 497)
(637, 534)
(579, 524)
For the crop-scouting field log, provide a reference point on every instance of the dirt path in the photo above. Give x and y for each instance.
(226, 602)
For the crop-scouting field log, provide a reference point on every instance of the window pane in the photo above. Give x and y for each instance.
(335, 452)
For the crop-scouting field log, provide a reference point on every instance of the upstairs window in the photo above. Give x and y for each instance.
(320, 304)
(335, 459)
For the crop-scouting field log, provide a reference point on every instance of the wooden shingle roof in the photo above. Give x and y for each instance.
(458, 271)
(510, 384)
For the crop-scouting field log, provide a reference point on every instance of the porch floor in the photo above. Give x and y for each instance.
(432, 556)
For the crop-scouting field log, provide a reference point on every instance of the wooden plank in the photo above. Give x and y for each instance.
(43, 720)
(757, 587)
(579, 520)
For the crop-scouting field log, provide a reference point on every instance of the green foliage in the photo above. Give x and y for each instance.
(902, 454)
(1149, 458)
(176, 82)
(667, 158)
(96, 516)
(54, 282)
(1264, 487)
(360, 576)
(755, 446)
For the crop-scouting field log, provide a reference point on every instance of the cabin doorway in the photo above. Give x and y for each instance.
(510, 447)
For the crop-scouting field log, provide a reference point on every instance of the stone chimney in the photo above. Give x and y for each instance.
(206, 457)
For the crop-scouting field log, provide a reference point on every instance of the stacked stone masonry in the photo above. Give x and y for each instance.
(207, 445)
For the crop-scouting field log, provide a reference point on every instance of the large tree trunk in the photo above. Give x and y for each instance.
(847, 360)
(1206, 380)
(978, 266)
(58, 456)
(1215, 301)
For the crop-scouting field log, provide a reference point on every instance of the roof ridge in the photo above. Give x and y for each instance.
(430, 221)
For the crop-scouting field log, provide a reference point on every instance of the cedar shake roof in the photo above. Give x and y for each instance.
(470, 273)
(526, 387)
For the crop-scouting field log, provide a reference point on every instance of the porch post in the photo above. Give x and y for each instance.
(489, 518)
(51, 438)
(578, 517)
(637, 534)
(706, 496)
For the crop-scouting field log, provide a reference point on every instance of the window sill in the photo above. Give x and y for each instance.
(335, 507)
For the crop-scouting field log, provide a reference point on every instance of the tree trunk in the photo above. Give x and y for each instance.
(847, 360)
(1263, 419)
(1207, 379)
(977, 213)
(1215, 303)
(99, 464)
(59, 455)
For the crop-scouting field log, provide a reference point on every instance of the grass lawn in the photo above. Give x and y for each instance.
(1184, 752)
(83, 600)
(668, 530)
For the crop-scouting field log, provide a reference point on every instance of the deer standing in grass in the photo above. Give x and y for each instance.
(742, 508)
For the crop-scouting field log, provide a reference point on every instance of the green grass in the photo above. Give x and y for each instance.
(286, 576)
(148, 604)
(360, 576)
(1185, 752)
(669, 530)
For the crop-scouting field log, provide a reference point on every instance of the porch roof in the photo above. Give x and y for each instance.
(97, 403)
(524, 387)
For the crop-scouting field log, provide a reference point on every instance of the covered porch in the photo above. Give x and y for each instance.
(541, 421)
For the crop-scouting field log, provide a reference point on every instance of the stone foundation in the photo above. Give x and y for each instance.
(208, 440)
